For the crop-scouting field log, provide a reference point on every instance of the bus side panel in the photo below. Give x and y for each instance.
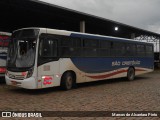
(3, 57)
(108, 68)
(4, 41)
(91, 69)
(66, 65)
(49, 75)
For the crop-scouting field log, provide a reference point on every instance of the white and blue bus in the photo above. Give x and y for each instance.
(4, 41)
(41, 58)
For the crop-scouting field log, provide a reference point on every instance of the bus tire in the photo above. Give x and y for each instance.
(68, 81)
(131, 74)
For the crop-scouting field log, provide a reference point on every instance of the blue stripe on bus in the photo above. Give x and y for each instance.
(100, 65)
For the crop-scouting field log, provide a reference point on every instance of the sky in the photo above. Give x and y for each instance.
(143, 14)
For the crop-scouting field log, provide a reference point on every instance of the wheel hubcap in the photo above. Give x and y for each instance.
(69, 82)
(131, 74)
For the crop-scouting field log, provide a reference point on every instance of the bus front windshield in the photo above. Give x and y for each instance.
(22, 49)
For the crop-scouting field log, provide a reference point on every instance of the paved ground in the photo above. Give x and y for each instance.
(142, 94)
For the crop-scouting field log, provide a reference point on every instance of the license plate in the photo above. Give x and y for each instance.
(14, 82)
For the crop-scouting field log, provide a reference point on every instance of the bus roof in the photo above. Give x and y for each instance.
(84, 35)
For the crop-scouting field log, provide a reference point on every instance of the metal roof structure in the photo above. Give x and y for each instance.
(17, 14)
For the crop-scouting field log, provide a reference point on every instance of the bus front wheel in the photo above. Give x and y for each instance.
(131, 74)
(67, 81)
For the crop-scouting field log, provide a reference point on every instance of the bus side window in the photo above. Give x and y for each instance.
(48, 48)
(140, 50)
(130, 50)
(112, 49)
(66, 47)
(104, 50)
(149, 50)
(90, 47)
(119, 49)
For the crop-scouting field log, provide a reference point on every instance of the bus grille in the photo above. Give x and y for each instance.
(18, 77)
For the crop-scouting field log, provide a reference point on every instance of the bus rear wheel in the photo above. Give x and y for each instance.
(131, 74)
(67, 81)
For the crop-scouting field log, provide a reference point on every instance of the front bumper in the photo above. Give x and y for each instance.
(29, 83)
